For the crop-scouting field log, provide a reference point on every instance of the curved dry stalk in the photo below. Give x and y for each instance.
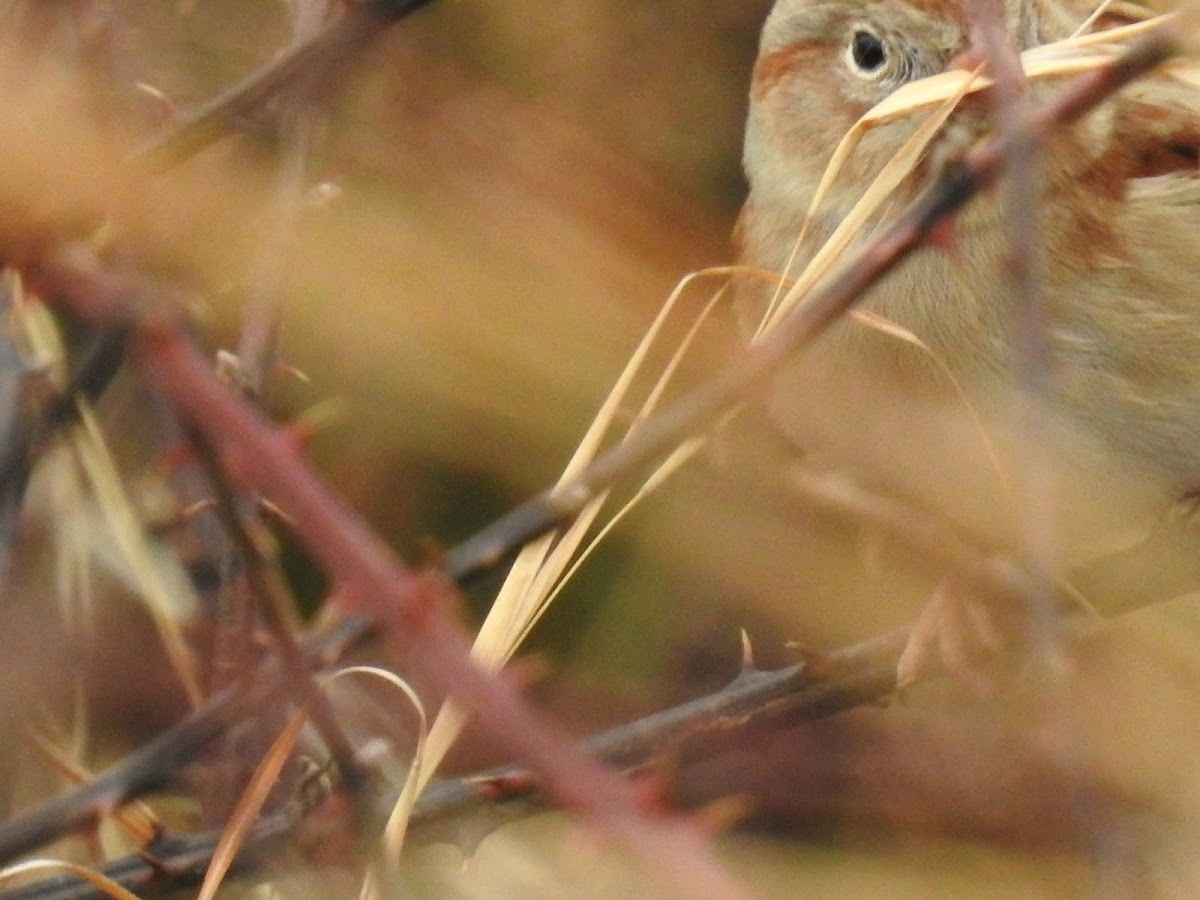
(395, 830)
(544, 566)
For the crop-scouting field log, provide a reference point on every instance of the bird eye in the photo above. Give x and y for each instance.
(867, 53)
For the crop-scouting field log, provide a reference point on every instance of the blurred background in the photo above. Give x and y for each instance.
(502, 196)
(516, 189)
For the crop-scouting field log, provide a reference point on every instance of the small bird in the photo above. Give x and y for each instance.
(1119, 207)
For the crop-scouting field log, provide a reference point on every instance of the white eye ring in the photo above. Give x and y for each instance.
(866, 54)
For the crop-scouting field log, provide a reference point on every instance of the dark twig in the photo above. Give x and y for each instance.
(755, 700)
(257, 351)
(154, 764)
(14, 432)
(305, 67)
(99, 361)
(145, 770)
(26, 438)
(175, 860)
(821, 686)
(299, 125)
(273, 605)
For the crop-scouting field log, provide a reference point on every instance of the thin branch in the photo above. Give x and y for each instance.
(155, 763)
(820, 686)
(1010, 106)
(26, 438)
(309, 65)
(273, 605)
(926, 534)
(754, 701)
(98, 363)
(299, 125)
(146, 769)
(1056, 717)
(257, 353)
(169, 860)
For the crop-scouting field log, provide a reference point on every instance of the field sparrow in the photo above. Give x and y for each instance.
(1120, 267)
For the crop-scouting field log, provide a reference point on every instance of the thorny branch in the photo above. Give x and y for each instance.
(410, 608)
(311, 62)
(370, 575)
(754, 703)
(754, 700)
(820, 687)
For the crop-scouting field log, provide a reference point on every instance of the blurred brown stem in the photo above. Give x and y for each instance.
(308, 66)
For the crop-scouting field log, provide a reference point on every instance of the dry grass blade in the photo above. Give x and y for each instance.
(678, 458)
(136, 820)
(942, 93)
(156, 578)
(881, 190)
(397, 824)
(250, 805)
(568, 557)
(542, 566)
(145, 567)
